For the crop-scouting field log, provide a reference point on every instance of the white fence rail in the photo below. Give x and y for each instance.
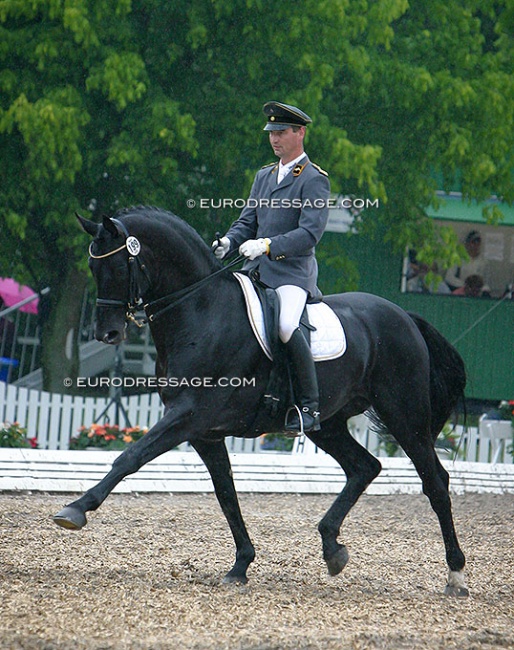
(54, 418)
(37, 470)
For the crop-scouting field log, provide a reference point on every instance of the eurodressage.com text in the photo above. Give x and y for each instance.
(347, 203)
(150, 383)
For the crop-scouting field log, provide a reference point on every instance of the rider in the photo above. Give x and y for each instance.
(277, 231)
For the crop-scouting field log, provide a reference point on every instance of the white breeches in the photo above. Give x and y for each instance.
(292, 301)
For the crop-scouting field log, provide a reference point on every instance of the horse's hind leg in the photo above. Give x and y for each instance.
(360, 468)
(413, 435)
(435, 481)
(215, 456)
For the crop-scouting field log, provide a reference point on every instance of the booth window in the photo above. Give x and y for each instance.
(488, 273)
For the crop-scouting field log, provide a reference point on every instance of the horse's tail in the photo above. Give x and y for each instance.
(447, 374)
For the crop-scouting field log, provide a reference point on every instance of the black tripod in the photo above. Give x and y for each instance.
(117, 393)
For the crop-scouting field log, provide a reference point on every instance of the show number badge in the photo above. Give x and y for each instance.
(133, 246)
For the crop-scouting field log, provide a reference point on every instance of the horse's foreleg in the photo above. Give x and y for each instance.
(216, 459)
(360, 468)
(159, 439)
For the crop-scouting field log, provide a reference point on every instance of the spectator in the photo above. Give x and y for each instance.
(416, 277)
(477, 265)
(473, 287)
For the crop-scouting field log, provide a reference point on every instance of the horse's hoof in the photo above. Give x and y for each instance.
(456, 592)
(70, 518)
(234, 579)
(338, 561)
(456, 585)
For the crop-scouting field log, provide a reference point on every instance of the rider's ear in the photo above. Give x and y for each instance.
(110, 226)
(88, 226)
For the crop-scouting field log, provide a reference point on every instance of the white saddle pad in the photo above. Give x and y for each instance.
(328, 341)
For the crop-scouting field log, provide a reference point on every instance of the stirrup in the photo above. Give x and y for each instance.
(300, 412)
(290, 432)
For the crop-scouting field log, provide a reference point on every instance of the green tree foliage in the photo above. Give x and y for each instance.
(82, 126)
(105, 103)
(438, 101)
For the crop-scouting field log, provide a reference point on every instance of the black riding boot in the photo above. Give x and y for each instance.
(305, 384)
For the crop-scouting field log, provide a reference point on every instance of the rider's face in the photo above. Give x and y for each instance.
(287, 144)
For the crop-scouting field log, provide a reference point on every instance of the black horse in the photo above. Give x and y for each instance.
(396, 365)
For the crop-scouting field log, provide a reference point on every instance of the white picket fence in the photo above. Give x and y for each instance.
(53, 419)
(490, 442)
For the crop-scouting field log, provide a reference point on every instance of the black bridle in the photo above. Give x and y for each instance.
(137, 268)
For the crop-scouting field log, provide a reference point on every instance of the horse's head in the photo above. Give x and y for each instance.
(114, 263)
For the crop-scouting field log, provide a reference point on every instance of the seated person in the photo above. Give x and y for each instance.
(473, 287)
(477, 264)
(416, 277)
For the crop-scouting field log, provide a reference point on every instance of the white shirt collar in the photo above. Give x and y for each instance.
(283, 170)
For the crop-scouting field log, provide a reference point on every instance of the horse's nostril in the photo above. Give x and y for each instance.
(112, 337)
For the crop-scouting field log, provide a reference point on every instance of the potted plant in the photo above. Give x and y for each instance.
(506, 409)
(14, 435)
(107, 437)
(277, 442)
(447, 442)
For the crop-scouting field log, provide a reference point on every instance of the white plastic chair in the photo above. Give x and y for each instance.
(499, 433)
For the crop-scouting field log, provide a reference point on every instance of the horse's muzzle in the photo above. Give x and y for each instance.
(110, 324)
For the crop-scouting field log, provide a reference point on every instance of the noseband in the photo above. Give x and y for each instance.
(136, 268)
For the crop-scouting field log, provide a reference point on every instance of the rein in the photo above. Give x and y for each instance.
(182, 294)
(135, 267)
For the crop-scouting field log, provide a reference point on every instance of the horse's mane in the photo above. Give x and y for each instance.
(138, 216)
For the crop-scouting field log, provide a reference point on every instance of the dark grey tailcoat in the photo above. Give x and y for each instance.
(293, 215)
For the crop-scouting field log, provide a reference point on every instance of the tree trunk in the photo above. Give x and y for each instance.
(60, 332)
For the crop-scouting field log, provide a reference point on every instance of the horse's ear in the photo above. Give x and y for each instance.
(89, 226)
(110, 226)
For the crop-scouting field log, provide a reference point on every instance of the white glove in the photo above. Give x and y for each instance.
(254, 247)
(221, 247)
